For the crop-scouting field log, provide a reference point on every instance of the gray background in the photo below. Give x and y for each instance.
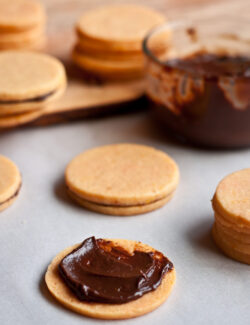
(210, 288)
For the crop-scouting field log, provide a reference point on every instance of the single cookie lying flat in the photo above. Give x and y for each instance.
(139, 305)
(10, 182)
(128, 178)
(231, 204)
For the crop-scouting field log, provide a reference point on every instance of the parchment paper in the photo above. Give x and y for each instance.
(210, 288)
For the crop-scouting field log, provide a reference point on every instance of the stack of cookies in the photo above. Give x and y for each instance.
(109, 43)
(122, 179)
(29, 81)
(231, 204)
(22, 24)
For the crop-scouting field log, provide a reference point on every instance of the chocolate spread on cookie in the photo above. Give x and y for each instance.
(98, 271)
(205, 98)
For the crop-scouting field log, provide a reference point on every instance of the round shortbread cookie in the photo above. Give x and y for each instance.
(232, 198)
(147, 303)
(118, 210)
(10, 182)
(26, 75)
(122, 175)
(122, 24)
(105, 68)
(228, 250)
(30, 106)
(16, 15)
(19, 119)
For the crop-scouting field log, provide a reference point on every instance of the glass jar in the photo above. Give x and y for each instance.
(198, 79)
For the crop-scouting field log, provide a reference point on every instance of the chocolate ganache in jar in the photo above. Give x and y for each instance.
(198, 80)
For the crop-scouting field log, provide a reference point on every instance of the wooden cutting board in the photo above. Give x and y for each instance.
(85, 97)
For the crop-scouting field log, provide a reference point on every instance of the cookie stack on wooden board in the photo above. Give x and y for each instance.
(29, 81)
(22, 24)
(231, 204)
(109, 43)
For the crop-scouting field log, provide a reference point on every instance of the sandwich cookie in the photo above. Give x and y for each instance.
(109, 40)
(108, 68)
(10, 182)
(110, 279)
(22, 24)
(28, 82)
(231, 204)
(122, 179)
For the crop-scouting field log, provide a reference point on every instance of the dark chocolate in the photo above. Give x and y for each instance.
(98, 271)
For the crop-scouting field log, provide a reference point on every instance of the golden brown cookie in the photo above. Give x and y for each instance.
(10, 182)
(124, 25)
(122, 175)
(234, 234)
(110, 38)
(231, 204)
(147, 303)
(10, 110)
(19, 15)
(232, 198)
(28, 81)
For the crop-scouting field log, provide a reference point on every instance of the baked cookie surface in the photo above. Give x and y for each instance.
(118, 23)
(16, 15)
(26, 75)
(142, 305)
(10, 182)
(122, 175)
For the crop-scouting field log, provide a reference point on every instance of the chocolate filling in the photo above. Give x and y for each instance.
(115, 205)
(13, 196)
(29, 100)
(99, 271)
